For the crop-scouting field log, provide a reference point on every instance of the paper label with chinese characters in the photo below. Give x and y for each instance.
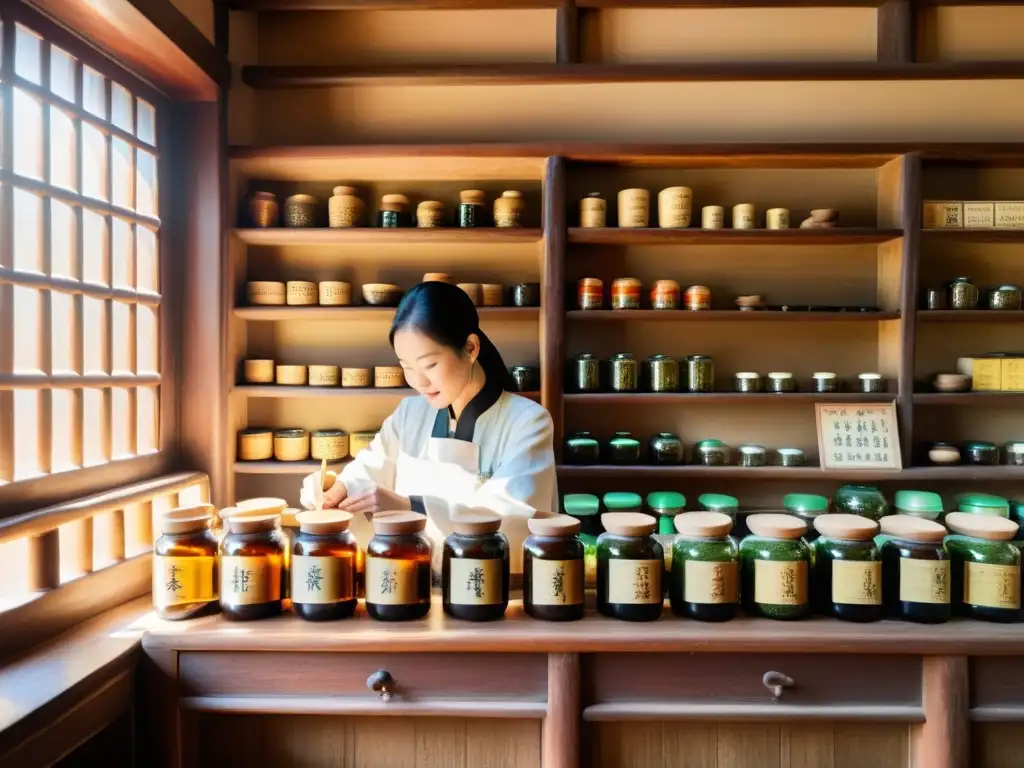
(710, 582)
(992, 586)
(322, 579)
(474, 582)
(178, 580)
(924, 581)
(858, 436)
(635, 582)
(391, 582)
(250, 580)
(856, 583)
(556, 582)
(780, 582)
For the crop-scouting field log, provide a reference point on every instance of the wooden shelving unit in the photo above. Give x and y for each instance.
(653, 236)
(367, 236)
(724, 315)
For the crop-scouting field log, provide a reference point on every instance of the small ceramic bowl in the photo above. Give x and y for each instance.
(381, 294)
(944, 454)
(952, 382)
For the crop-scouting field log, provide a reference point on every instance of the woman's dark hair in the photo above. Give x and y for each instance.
(445, 313)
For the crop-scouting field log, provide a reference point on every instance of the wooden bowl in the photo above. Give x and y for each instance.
(381, 294)
(952, 382)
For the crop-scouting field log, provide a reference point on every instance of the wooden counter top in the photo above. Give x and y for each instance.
(595, 633)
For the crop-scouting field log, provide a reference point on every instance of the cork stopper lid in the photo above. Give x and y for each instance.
(847, 527)
(430, 205)
(780, 375)
(773, 525)
(395, 200)
(513, 193)
(556, 525)
(476, 196)
(266, 504)
(395, 523)
(476, 523)
(322, 523)
(344, 190)
(438, 277)
(628, 523)
(748, 375)
(190, 519)
(703, 524)
(987, 527)
(912, 528)
(253, 523)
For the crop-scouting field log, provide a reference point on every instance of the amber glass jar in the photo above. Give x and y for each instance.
(629, 567)
(475, 567)
(553, 569)
(915, 570)
(398, 568)
(268, 505)
(185, 564)
(323, 566)
(252, 567)
(705, 580)
(984, 566)
(846, 574)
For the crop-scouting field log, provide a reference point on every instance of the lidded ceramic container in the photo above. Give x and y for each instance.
(263, 209)
(345, 208)
(675, 207)
(300, 211)
(593, 211)
(430, 214)
(508, 209)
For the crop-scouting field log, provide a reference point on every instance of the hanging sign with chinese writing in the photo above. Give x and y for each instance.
(858, 436)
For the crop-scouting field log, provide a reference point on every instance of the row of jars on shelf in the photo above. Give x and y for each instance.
(264, 371)
(694, 373)
(293, 444)
(338, 293)
(345, 209)
(978, 453)
(666, 449)
(675, 211)
(961, 293)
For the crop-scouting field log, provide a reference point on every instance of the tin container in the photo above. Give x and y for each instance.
(665, 294)
(825, 382)
(263, 209)
(747, 382)
(936, 298)
(982, 454)
(713, 453)
(666, 448)
(963, 294)
(753, 456)
(777, 218)
(623, 372)
(590, 293)
(700, 373)
(697, 298)
(526, 295)
(871, 382)
(779, 382)
(626, 293)
(394, 212)
(664, 373)
(527, 378)
(1004, 297)
(587, 373)
(582, 449)
(300, 211)
(791, 457)
(471, 208)
(593, 211)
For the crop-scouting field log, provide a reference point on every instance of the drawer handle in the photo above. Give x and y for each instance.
(382, 682)
(776, 682)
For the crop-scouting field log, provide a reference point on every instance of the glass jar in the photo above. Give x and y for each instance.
(862, 500)
(472, 212)
(871, 383)
(394, 212)
(983, 504)
(774, 561)
(846, 576)
(582, 448)
(526, 377)
(915, 570)
(780, 382)
(747, 382)
(719, 502)
(623, 449)
(963, 294)
(553, 569)
(697, 298)
(626, 293)
(586, 507)
(398, 568)
(753, 456)
(713, 453)
(1004, 297)
(629, 567)
(936, 298)
(1015, 454)
(982, 454)
(323, 566)
(593, 210)
(665, 294)
(663, 373)
(666, 448)
(790, 457)
(623, 372)
(807, 507)
(185, 564)
(590, 293)
(700, 373)
(475, 567)
(825, 382)
(923, 504)
(252, 572)
(704, 581)
(587, 370)
(984, 566)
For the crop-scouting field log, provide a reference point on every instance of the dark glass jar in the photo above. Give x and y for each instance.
(846, 575)
(582, 448)
(774, 565)
(807, 507)
(185, 564)
(252, 569)
(587, 373)
(622, 372)
(475, 567)
(923, 504)
(623, 449)
(629, 567)
(398, 568)
(825, 382)
(526, 295)
(915, 570)
(472, 211)
(781, 382)
(394, 212)
(553, 569)
(982, 454)
(747, 382)
(963, 294)
(1003, 297)
(713, 453)
(323, 566)
(663, 373)
(526, 377)
(704, 582)
(666, 448)
(700, 373)
(984, 566)
(861, 500)
(587, 509)
(936, 298)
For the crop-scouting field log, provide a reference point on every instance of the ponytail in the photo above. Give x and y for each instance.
(494, 367)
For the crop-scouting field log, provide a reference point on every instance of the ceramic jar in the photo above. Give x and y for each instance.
(492, 294)
(777, 218)
(300, 211)
(963, 294)
(263, 209)
(508, 209)
(590, 293)
(675, 206)
(582, 449)
(1004, 297)
(634, 208)
(697, 298)
(527, 378)
(471, 208)
(871, 382)
(334, 293)
(301, 293)
(626, 293)
(345, 208)
(825, 382)
(665, 294)
(712, 217)
(258, 371)
(744, 216)
(593, 211)
(623, 449)
(330, 444)
(666, 448)
(430, 214)
(781, 382)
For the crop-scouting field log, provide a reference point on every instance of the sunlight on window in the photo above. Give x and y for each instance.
(26, 433)
(94, 416)
(62, 73)
(146, 260)
(147, 404)
(121, 173)
(102, 532)
(94, 92)
(138, 536)
(94, 162)
(121, 349)
(147, 342)
(62, 149)
(63, 228)
(28, 50)
(73, 539)
(192, 495)
(28, 135)
(28, 231)
(62, 333)
(13, 568)
(94, 335)
(28, 309)
(147, 122)
(62, 432)
(146, 193)
(121, 423)
(123, 260)
(121, 105)
(94, 248)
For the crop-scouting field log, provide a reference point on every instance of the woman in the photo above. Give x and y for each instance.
(467, 441)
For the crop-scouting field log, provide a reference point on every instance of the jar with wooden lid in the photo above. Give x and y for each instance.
(398, 568)
(807, 507)
(774, 565)
(252, 568)
(590, 293)
(705, 577)
(915, 570)
(475, 567)
(430, 214)
(185, 564)
(291, 444)
(984, 566)
(255, 444)
(323, 566)
(345, 208)
(630, 563)
(471, 208)
(553, 569)
(846, 576)
(394, 212)
(586, 508)
(626, 293)
(593, 211)
(509, 208)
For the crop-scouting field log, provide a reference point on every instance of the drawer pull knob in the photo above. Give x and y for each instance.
(776, 682)
(382, 682)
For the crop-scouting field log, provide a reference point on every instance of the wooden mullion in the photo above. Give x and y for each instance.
(108, 309)
(7, 249)
(44, 403)
(567, 33)
(910, 204)
(896, 32)
(552, 322)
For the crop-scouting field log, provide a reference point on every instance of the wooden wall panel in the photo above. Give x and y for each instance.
(965, 33)
(996, 745)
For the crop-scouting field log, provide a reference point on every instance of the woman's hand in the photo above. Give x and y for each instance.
(377, 500)
(333, 496)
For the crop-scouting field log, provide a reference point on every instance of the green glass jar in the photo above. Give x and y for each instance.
(582, 448)
(629, 567)
(984, 565)
(982, 454)
(918, 503)
(915, 570)
(664, 506)
(623, 375)
(862, 500)
(806, 506)
(774, 565)
(623, 449)
(704, 581)
(666, 448)
(846, 578)
(622, 501)
(1017, 516)
(553, 569)
(586, 508)
(663, 373)
(983, 504)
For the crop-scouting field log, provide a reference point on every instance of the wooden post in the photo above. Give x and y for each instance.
(552, 321)
(896, 32)
(561, 731)
(943, 740)
(116, 536)
(910, 214)
(567, 33)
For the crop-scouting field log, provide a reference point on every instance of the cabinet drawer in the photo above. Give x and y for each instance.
(996, 691)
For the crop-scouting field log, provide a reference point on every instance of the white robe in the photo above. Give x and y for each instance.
(509, 468)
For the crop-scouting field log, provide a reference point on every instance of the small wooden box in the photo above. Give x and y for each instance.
(979, 215)
(1012, 378)
(942, 215)
(1009, 214)
(985, 372)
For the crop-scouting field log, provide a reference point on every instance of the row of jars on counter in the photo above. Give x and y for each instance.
(665, 448)
(961, 293)
(694, 373)
(261, 371)
(345, 209)
(338, 293)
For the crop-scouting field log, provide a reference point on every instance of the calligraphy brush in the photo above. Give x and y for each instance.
(323, 479)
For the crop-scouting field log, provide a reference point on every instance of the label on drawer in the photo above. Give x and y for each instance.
(322, 579)
(556, 582)
(635, 582)
(705, 582)
(178, 580)
(391, 582)
(474, 582)
(250, 580)
(780, 582)
(924, 581)
(992, 586)
(855, 583)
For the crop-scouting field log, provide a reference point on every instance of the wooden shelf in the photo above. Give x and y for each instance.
(971, 315)
(420, 5)
(379, 236)
(729, 315)
(731, 398)
(281, 391)
(965, 473)
(690, 471)
(368, 313)
(968, 398)
(976, 235)
(274, 467)
(657, 236)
